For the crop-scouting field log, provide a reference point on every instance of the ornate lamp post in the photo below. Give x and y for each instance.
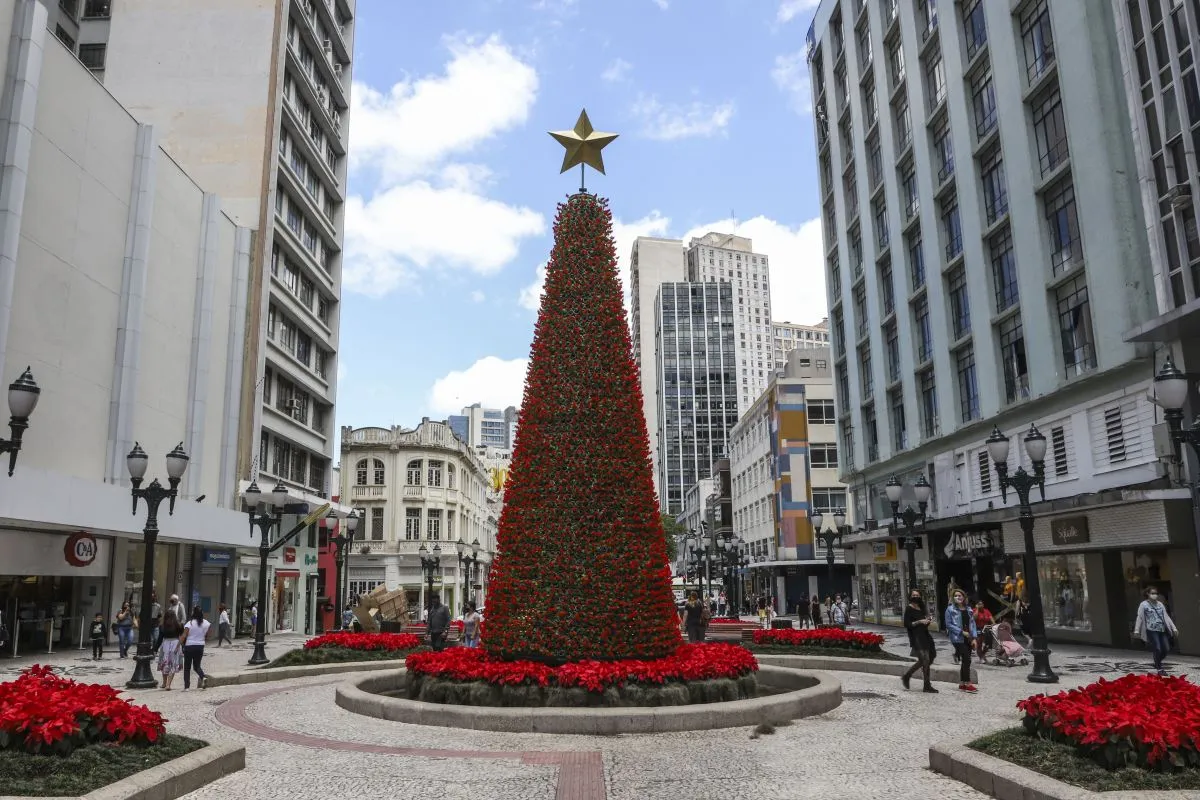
(154, 494)
(340, 542)
(1023, 483)
(466, 566)
(909, 519)
(23, 396)
(430, 561)
(272, 503)
(829, 538)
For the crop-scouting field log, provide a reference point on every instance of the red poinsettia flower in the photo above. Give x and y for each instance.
(391, 642)
(819, 637)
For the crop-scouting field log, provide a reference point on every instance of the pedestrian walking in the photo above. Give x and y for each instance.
(170, 652)
(815, 611)
(983, 618)
(439, 622)
(124, 625)
(803, 615)
(764, 613)
(960, 624)
(174, 605)
(223, 625)
(916, 622)
(838, 613)
(722, 602)
(1155, 627)
(97, 633)
(471, 623)
(693, 618)
(156, 616)
(195, 632)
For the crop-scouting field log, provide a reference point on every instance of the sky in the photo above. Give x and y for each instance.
(454, 182)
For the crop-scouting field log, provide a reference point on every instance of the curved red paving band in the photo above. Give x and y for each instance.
(580, 773)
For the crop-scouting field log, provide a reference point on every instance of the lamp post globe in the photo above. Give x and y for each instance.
(23, 395)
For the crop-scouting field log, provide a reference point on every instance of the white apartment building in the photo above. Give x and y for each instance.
(731, 259)
(788, 336)
(123, 286)
(252, 98)
(419, 487)
(978, 276)
(486, 427)
(783, 466)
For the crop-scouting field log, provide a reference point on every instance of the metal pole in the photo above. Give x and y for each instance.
(910, 546)
(264, 523)
(143, 677)
(82, 625)
(339, 558)
(1042, 673)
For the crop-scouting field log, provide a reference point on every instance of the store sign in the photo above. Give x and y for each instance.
(309, 559)
(289, 555)
(80, 549)
(1069, 531)
(968, 544)
(884, 551)
(218, 558)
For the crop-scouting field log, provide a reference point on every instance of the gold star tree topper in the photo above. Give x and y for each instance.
(583, 144)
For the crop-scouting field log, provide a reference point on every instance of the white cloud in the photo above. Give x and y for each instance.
(617, 71)
(492, 381)
(531, 295)
(790, 74)
(681, 121)
(418, 226)
(797, 259)
(653, 224)
(408, 130)
(477, 296)
(662, 4)
(790, 9)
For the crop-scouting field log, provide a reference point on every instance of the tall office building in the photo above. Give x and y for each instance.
(788, 337)
(251, 98)
(724, 257)
(652, 263)
(979, 275)
(477, 426)
(696, 383)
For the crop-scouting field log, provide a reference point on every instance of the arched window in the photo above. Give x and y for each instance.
(380, 473)
(360, 472)
(435, 473)
(414, 473)
(450, 473)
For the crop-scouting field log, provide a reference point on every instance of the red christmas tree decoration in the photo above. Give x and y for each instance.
(581, 570)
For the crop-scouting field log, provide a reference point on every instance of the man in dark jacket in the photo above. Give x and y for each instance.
(439, 622)
(916, 621)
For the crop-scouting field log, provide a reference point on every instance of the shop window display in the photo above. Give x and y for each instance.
(927, 584)
(1065, 591)
(891, 593)
(866, 595)
(1144, 568)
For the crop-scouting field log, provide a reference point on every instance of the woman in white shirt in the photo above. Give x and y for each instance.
(223, 625)
(194, 634)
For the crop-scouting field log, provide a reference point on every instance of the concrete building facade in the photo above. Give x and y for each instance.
(979, 276)
(486, 427)
(788, 336)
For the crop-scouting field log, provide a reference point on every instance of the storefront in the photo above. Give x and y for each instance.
(881, 582)
(51, 586)
(213, 587)
(973, 559)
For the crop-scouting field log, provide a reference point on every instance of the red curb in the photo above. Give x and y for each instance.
(580, 774)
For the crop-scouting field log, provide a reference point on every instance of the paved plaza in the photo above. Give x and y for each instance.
(300, 744)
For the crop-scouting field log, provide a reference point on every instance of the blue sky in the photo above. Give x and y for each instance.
(454, 181)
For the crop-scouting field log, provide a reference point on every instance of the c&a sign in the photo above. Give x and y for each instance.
(80, 549)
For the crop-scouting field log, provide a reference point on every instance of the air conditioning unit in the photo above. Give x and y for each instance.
(1180, 195)
(322, 95)
(297, 407)
(337, 69)
(307, 6)
(328, 46)
(337, 120)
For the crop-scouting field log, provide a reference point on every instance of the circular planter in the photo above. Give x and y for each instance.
(801, 694)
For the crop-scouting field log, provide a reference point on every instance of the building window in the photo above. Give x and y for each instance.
(856, 253)
(864, 46)
(899, 426)
(922, 329)
(316, 476)
(927, 394)
(874, 162)
(983, 94)
(1038, 39)
(820, 412)
(97, 9)
(323, 309)
(887, 292)
(843, 386)
(879, 208)
(995, 189)
(1065, 247)
(896, 62)
(865, 377)
(93, 55)
(1004, 269)
(433, 524)
(850, 188)
(380, 473)
(968, 388)
(960, 306)
(974, 27)
(952, 229)
(916, 263)
(983, 462)
(847, 436)
(413, 476)
(64, 37)
(412, 524)
(943, 152)
(1012, 358)
(1075, 327)
(828, 500)
(891, 344)
(927, 17)
(450, 523)
(282, 460)
(435, 473)
(935, 80)
(377, 524)
(870, 106)
(908, 193)
(360, 473)
(903, 129)
(860, 310)
(822, 456)
(299, 466)
(872, 433)
(1050, 131)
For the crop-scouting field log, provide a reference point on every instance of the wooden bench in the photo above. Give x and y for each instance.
(419, 629)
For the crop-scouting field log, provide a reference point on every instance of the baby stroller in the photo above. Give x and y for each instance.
(1002, 649)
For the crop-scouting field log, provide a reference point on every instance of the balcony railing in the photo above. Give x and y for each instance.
(362, 492)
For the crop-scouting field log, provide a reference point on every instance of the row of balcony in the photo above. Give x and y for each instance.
(416, 493)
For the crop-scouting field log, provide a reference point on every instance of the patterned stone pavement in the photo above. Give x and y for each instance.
(300, 744)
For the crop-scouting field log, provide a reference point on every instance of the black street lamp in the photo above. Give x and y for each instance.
(829, 538)
(154, 494)
(1023, 483)
(340, 542)
(23, 396)
(430, 561)
(909, 519)
(273, 503)
(466, 565)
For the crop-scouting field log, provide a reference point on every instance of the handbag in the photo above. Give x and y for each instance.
(114, 627)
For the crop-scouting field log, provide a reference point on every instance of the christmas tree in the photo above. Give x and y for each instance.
(581, 571)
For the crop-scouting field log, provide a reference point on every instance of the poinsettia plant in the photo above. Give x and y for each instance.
(1143, 720)
(839, 638)
(42, 712)
(391, 642)
(689, 662)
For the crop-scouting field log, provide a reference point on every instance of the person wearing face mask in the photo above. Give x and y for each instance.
(960, 625)
(1155, 627)
(917, 621)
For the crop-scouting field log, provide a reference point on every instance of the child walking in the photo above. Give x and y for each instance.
(97, 631)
